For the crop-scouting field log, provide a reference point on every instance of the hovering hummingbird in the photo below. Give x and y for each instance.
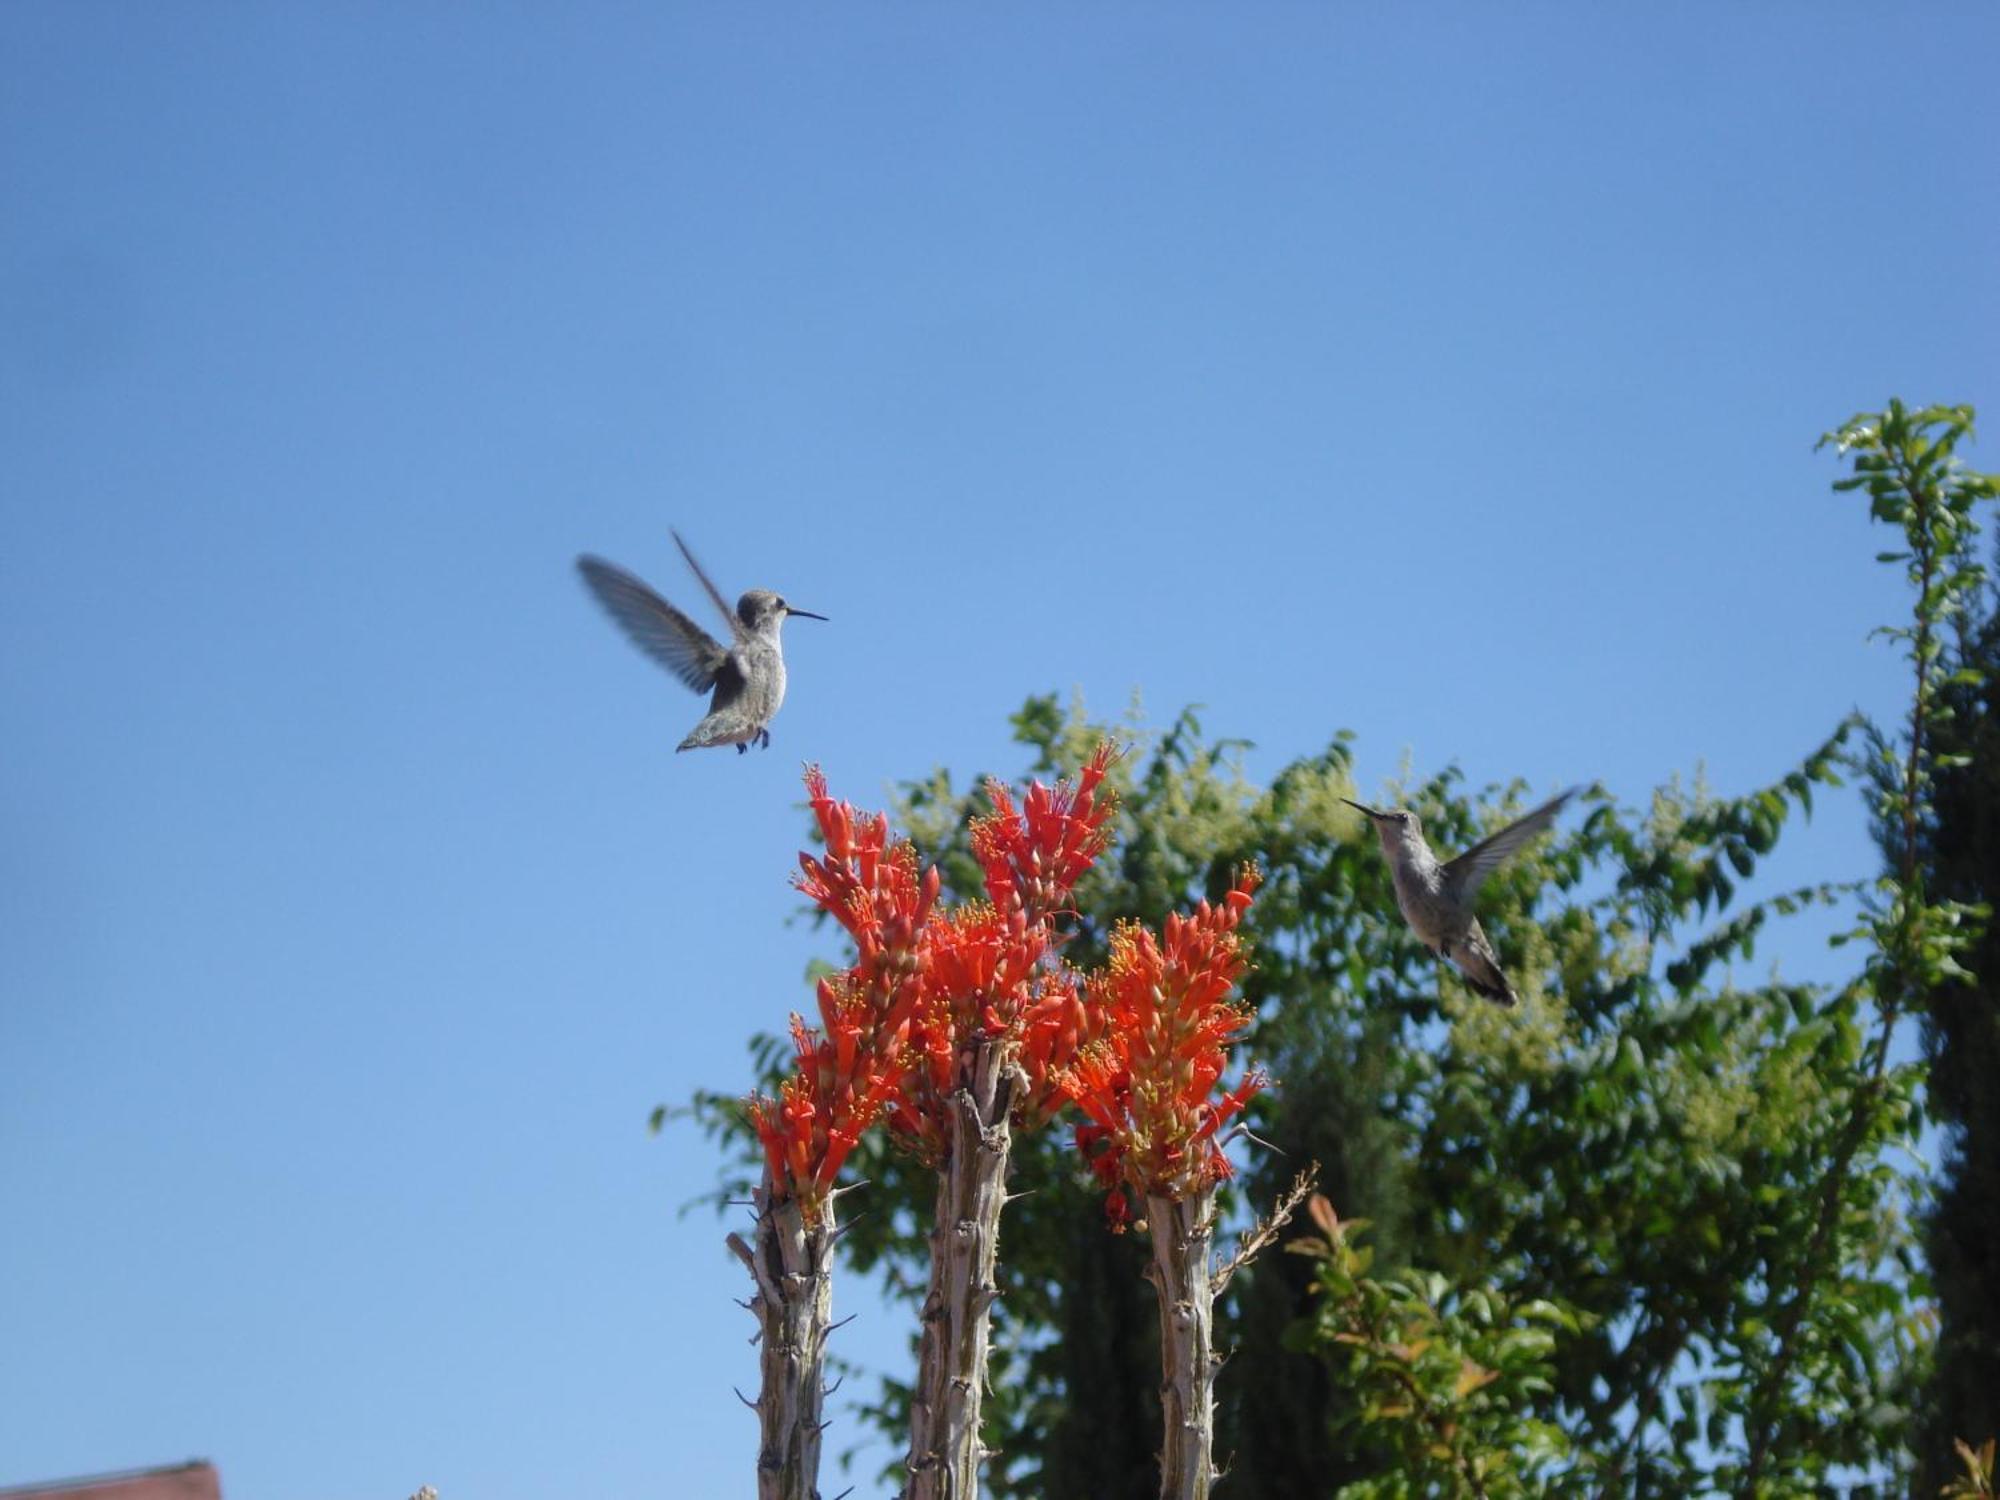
(1436, 898)
(748, 674)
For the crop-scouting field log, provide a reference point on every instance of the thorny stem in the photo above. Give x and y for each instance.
(1186, 1281)
(1262, 1235)
(791, 1263)
(1183, 1278)
(945, 1451)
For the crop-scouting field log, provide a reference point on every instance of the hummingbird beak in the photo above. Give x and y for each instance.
(1369, 812)
(805, 612)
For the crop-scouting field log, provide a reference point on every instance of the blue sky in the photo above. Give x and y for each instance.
(1447, 375)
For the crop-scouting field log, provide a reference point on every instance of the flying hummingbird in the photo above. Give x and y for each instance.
(748, 674)
(1436, 898)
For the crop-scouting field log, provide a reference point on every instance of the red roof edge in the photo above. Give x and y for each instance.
(196, 1479)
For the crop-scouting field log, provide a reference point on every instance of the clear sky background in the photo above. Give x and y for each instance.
(1449, 373)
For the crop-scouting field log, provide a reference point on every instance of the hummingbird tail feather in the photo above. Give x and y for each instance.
(1482, 974)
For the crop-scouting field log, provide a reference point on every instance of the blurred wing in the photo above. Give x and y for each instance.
(722, 604)
(1465, 874)
(656, 627)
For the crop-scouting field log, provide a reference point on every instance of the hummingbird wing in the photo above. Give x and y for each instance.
(1464, 875)
(656, 627)
(722, 604)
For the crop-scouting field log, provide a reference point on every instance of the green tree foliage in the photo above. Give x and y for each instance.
(1961, 856)
(1444, 1384)
(1648, 1234)
(1637, 1147)
(1937, 792)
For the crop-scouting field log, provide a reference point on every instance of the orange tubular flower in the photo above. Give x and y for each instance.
(979, 961)
(989, 974)
(854, 1068)
(1034, 855)
(867, 884)
(1055, 1027)
(980, 971)
(1164, 1021)
(925, 985)
(841, 1086)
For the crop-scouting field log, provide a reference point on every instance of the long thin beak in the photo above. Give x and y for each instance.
(806, 612)
(1359, 808)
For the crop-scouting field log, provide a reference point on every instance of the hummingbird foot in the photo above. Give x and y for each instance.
(740, 749)
(764, 738)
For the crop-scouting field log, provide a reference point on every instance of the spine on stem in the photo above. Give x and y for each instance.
(945, 1448)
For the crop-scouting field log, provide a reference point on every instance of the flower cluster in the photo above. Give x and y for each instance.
(1054, 1028)
(855, 1066)
(836, 1092)
(991, 973)
(1035, 854)
(926, 985)
(981, 966)
(868, 885)
(1147, 1080)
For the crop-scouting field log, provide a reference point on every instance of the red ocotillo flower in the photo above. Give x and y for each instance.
(980, 968)
(1148, 1083)
(925, 986)
(855, 1066)
(1055, 1028)
(989, 971)
(837, 1091)
(869, 885)
(978, 961)
(873, 888)
(1033, 855)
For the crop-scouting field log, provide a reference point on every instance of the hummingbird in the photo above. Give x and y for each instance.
(1436, 898)
(748, 675)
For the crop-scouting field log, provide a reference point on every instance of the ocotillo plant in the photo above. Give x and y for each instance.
(848, 1075)
(1000, 1017)
(955, 1027)
(1150, 1089)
